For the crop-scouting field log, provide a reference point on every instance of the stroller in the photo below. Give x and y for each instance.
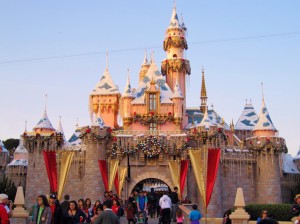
(142, 218)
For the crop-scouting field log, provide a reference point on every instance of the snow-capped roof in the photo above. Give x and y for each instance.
(264, 119)
(44, 123)
(174, 22)
(60, 129)
(21, 149)
(75, 140)
(106, 85)
(217, 119)
(120, 120)
(206, 121)
(288, 164)
(153, 73)
(2, 146)
(18, 162)
(177, 91)
(127, 91)
(98, 121)
(248, 118)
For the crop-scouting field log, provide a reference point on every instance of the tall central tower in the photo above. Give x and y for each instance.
(175, 66)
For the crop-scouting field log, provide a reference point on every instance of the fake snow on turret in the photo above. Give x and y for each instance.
(44, 123)
(174, 22)
(153, 73)
(264, 119)
(128, 91)
(177, 91)
(20, 156)
(206, 121)
(2, 147)
(60, 130)
(98, 121)
(75, 140)
(248, 118)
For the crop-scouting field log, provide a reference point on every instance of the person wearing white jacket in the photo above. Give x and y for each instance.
(165, 204)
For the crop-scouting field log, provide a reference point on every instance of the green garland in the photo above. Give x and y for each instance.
(151, 146)
(152, 118)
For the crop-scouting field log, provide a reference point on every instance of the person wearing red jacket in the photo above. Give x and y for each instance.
(3, 215)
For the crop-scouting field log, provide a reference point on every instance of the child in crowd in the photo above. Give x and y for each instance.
(195, 215)
(179, 216)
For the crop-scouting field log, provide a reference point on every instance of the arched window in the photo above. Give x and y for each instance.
(152, 102)
(175, 56)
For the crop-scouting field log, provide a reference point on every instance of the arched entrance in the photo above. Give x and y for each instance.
(164, 177)
(159, 186)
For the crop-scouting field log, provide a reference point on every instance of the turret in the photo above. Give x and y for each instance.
(203, 94)
(104, 99)
(144, 68)
(126, 100)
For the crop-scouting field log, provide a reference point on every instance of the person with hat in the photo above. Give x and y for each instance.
(296, 206)
(6, 204)
(56, 210)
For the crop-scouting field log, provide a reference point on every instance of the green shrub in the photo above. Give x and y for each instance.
(279, 212)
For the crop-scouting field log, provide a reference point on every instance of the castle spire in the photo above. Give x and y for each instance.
(203, 93)
(106, 68)
(127, 90)
(44, 123)
(174, 18)
(206, 121)
(145, 62)
(59, 127)
(177, 91)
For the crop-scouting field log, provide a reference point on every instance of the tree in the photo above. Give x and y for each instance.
(8, 187)
(11, 144)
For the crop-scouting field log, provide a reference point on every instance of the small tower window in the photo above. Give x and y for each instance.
(152, 102)
(175, 56)
(152, 126)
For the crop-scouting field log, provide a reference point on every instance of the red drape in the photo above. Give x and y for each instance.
(184, 165)
(116, 182)
(50, 163)
(213, 160)
(103, 171)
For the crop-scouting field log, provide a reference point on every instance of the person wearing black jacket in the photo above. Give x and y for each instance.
(57, 212)
(174, 199)
(65, 204)
(74, 215)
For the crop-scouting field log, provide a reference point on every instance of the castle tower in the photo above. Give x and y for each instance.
(104, 100)
(175, 66)
(177, 99)
(126, 100)
(144, 68)
(267, 148)
(203, 94)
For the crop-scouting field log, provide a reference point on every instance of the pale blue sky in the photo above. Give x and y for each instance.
(234, 68)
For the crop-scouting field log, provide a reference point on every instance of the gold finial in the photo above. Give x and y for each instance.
(223, 121)
(203, 85)
(152, 81)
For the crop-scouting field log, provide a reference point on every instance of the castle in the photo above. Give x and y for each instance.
(251, 150)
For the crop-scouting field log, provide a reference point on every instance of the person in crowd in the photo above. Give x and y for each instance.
(7, 204)
(142, 202)
(174, 199)
(296, 206)
(264, 215)
(130, 213)
(110, 194)
(96, 205)
(74, 215)
(57, 213)
(158, 209)
(179, 216)
(81, 206)
(152, 201)
(65, 204)
(115, 207)
(42, 213)
(195, 215)
(141, 218)
(98, 211)
(4, 219)
(165, 204)
(226, 219)
(135, 195)
(88, 207)
(131, 198)
(106, 196)
(107, 216)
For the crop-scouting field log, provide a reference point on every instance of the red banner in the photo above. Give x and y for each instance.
(116, 182)
(184, 166)
(50, 163)
(213, 159)
(103, 171)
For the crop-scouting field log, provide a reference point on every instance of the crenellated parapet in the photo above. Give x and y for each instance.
(266, 145)
(175, 65)
(42, 141)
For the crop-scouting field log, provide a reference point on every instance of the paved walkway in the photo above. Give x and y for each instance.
(150, 221)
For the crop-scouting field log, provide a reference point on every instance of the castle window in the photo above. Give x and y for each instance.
(152, 126)
(174, 55)
(152, 102)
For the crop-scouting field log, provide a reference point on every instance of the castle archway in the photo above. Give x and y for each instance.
(163, 177)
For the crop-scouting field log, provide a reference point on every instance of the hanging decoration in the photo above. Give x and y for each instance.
(212, 170)
(65, 163)
(152, 118)
(104, 171)
(175, 65)
(116, 182)
(175, 41)
(175, 172)
(50, 163)
(96, 137)
(113, 168)
(184, 166)
(151, 146)
(122, 176)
